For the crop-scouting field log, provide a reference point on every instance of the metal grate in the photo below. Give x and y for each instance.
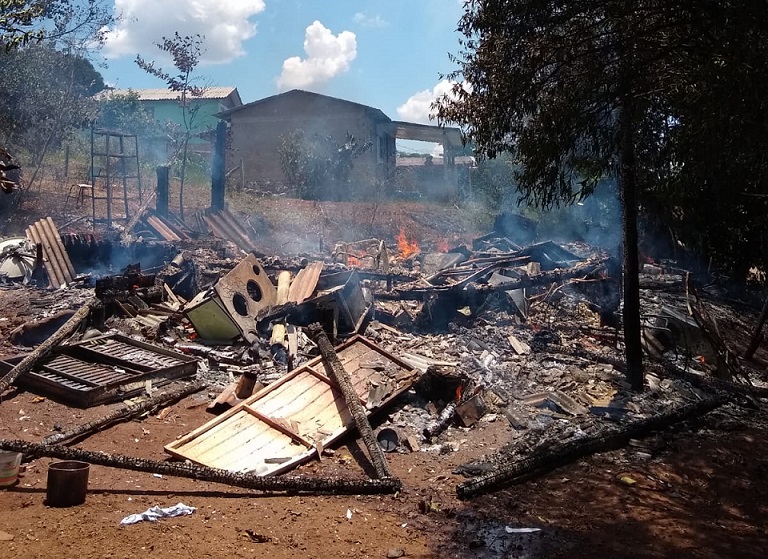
(108, 368)
(132, 354)
(88, 373)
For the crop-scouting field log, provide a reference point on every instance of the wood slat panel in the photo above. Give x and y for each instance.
(303, 407)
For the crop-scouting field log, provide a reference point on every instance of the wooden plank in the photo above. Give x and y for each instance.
(228, 438)
(277, 448)
(308, 385)
(278, 426)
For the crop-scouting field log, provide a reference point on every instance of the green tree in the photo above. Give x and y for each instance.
(27, 21)
(125, 112)
(494, 181)
(185, 53)
(578, 91)
(318, 167)
(45, 97)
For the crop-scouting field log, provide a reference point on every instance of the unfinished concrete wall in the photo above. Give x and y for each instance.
(256, 129)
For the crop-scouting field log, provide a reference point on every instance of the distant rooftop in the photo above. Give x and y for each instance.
(161, 94)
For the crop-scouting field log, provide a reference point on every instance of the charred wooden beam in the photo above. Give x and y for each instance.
(125, 413)
(44, 349)
(728, 360)
(555, 276)
(757, 333)
(442, 422)
(554, 457)
(340, 376)
(290, 484)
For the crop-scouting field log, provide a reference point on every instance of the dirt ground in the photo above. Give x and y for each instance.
(702, 493)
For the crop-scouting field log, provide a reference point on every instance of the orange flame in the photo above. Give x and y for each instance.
(407, 248)
(459, 392)
(352, 260)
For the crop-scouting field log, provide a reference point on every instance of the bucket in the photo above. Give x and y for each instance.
(67, 483)
(389, 440)
(9, 467)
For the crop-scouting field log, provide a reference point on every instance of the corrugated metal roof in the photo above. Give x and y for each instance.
(308, 94)
(57, 264)
(161, 94)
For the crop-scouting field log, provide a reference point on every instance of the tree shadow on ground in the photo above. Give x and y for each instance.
(704, 495)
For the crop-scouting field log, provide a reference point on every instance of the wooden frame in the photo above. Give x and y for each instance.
(289, 421)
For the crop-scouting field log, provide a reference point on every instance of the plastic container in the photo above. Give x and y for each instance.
(9, 467)
(67, 483)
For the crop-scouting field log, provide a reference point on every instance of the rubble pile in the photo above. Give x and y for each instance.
(296, 350)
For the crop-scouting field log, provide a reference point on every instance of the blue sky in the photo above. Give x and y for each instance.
(387, 54)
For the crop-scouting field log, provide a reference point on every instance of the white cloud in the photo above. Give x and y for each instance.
(328, 55)
(375, 22)
(418, 107)
(224, 24)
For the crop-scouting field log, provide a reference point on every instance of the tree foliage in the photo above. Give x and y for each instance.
(125, 112)
(28, 21)
(546, 80)
(578, 91)
(45, 96)
(318, 167)
(185, 52)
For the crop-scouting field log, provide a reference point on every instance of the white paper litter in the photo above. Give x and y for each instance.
(510, 530)
(156, 513)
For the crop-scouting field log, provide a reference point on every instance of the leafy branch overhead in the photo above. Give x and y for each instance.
(185, 53)
(82, 24)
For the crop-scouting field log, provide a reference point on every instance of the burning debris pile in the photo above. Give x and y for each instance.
(297, 351)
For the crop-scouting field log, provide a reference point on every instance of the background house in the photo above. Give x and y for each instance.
(256, 130)
(163, 105)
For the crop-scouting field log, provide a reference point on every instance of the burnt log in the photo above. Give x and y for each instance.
(339, 375)
(757, 333)
(125, 413)
(44, 349)
(555, 276)
(441, 423)
(552, 457)
(290, 484)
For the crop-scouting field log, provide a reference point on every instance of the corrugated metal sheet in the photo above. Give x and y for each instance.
(165, 228)
(161, 94)
(305, 282)
(224, 225)
(57, 264)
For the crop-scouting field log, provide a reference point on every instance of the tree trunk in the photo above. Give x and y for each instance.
(631, 275)
(183, 175)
